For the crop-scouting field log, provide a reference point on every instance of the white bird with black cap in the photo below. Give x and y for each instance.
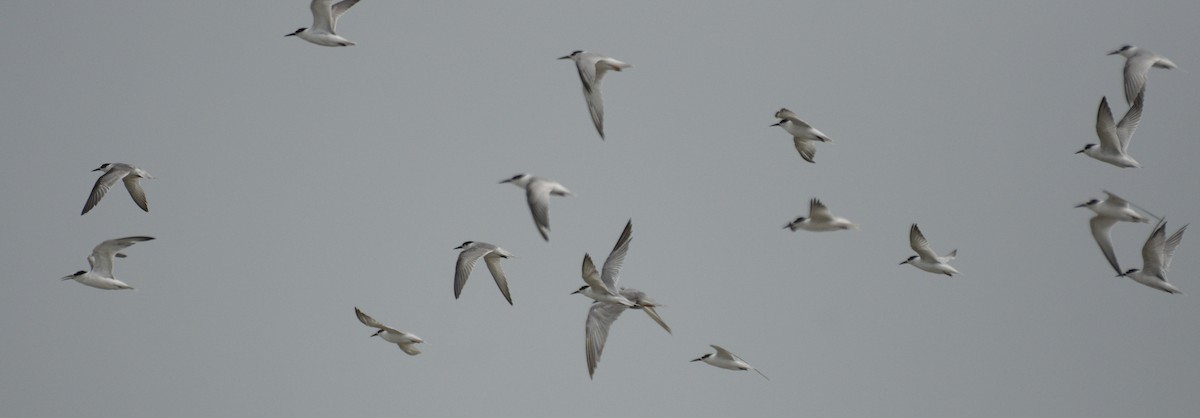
(325, 16)
(1156, 259)
(591, 68)
(537, 194)
(1138, 62)
(803, 134)
(101, 261)
(1109, 211)
(727, 360)
(610, 302)
(926, 259)
(471, 252)
(114, 172)
(402, 339)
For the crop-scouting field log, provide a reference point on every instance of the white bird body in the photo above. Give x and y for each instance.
(537, 194)
(101, 261)
(926, 259)
(124, 173)
(1109, 211)
(1114, 137)
(1156, 259)
(471, 252)
(1138, 62)
(803, 134)
(325, 16)
(610, 303)
(727, 360)
(591, 68)
(402, 339)
(603, 296)
(820, 220)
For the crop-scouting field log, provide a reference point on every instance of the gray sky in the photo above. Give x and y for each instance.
(296, 182)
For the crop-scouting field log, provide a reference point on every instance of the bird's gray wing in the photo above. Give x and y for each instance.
(1106, 129)
(493, 263)
(101, 259)
(721, 352)
(410, 349)
(595, 103)
(466, 263)
(612, 265)
(807, 149)
(1153, 251)
(1101, 226)
(600, 318)
(101, 187)
(818, 212)
(1114, 199)
(136, 192)
(592, 277)
(1169, 248)
(338, 10)
(1135, 75)
(917, 241)
(371, 322)
(537, 193)
(322, 11)
(1129, 122)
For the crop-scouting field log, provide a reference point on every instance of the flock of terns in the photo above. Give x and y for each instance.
(602, 286)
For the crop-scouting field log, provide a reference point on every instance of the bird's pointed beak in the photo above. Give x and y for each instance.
(564, 57)
(1081, 151)
(576, 291)
(376, 333)
(97, 169)
(68, 277)
(1081, 205)
(458, 247)
(290, 34)
(698, 359)
(1115, 52)
(903, 262)
(505, 181)
(777, 123)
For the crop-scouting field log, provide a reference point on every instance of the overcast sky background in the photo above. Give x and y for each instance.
(296, 182)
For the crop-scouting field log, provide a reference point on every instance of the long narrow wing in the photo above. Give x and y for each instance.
(136, 192)
(592, 277)
(493, 264)
(1106, 129)
(818, 212)
(600, 317)
(917, 241)
(1135, 75)
(337, 11)
(466, 263)
(371, 322)
(322, 11)
(612, 265)
(1129, 122)
(1101, 226)
(1169, 248)
(721, 352)
(537, 194)
(101, 259)
(1153, 251)
(410, 349)
(101, 187)
(807, 149)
